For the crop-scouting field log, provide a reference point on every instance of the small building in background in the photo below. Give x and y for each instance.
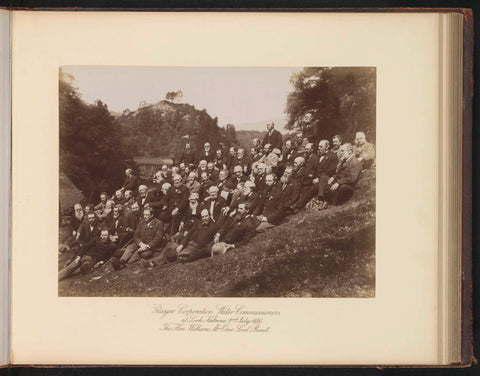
(147, 166)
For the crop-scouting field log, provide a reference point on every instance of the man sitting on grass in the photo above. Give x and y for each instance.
(340, 187)
(236, 230)
(99, 250)
(148, 237)
(196, 244)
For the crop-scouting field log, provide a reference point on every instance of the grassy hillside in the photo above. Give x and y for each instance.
(329, 253)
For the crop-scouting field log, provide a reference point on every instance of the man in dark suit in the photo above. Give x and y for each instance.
(130, 182)
(321, 164)
(148, 237)
(273, 137)
(238, 229)
(196, 244)
(178, 202)
(205, 183)
(188, 156)
(120, 226)
(191, 214)
(100, 249)
(206, 154)
(340, 187)
(88, 230)
(214, 204)
(304, 180)
(238, 177)
(146, 198)
(273, 210)
(243, 161)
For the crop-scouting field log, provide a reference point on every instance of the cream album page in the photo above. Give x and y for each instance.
(337, 266)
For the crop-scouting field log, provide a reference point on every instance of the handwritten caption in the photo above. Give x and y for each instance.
(221, 318)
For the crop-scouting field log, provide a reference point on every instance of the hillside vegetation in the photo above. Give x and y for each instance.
(160, 129)
(329, 253)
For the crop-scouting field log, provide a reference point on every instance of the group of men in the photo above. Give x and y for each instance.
(210, 203)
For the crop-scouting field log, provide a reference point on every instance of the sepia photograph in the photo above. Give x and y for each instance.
(217, 182)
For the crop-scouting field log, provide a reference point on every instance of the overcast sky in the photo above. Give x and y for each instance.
(234, 95)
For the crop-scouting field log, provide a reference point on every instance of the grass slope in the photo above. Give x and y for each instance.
(329, 253)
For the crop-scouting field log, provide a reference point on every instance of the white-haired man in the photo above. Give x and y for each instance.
(214, 204)
(243, 161)
(192, 213)
(364, 151)
(207, 153)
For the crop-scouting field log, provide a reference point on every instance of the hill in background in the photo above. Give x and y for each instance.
(161, 129)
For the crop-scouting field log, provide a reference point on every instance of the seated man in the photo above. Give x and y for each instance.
(273, 209)
(222, 180)
(73, 226)
(340, 187)
(214, 204)
(120, 226)
(196, 244)
(212, 172)
(364, 151)
(250, 196)
(99, 250)
(236, 230)
(243, 161)
(87, 231)
(118, 198)
(205, 183)
(289, 153)
(104, 214)
(231, 158)
(192, 184)
(336, 143)
(321, 164)
(304, 181)
(128, 198)
(238, 177)
(192, 213)
(220, 162)
(103, 202)
(148, 237)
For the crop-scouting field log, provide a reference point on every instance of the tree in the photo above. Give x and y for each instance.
(329, 101)
(90, 152)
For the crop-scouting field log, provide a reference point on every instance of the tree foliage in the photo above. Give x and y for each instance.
(89, 142)
(160, 130)
(329, 101)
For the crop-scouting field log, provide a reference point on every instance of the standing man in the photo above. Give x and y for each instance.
(273, 137)
(188, 157)
(130, 182)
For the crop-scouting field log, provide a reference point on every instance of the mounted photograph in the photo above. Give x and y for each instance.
(217, 182)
